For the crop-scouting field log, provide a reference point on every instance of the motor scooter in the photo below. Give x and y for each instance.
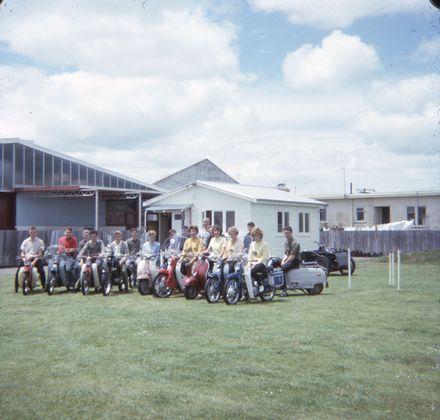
(310, 278)
(329, 259)
(241, 285)
(146, 271)
(112, 273)
(28, 276)
(196, 281)
(63, 270)
(217, 277)
(132, 262)
(169, 279)
(90, 276)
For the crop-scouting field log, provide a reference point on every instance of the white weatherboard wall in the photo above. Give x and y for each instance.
(263, 215)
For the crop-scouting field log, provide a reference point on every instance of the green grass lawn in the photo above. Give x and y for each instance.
(365, 352)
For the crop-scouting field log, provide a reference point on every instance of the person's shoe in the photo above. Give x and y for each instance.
(261, 289)
(284, 293)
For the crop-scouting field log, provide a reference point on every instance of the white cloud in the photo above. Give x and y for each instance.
(170, 43)
(339, 58)
(336, 13)
(427, 50)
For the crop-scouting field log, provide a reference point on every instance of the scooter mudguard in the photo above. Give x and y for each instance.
(191, 281)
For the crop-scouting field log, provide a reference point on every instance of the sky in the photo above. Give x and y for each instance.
(315, 94)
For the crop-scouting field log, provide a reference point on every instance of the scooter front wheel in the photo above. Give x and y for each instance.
(26, 284)
(143, 287)
(160, 288)
(213, 290)
(232, 292)
(268, 294)
(85, 283)
(191, 292)
(50, 285)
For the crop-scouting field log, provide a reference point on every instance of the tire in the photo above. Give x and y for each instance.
(324, 263)
(232, 292)
(344, 270)
(85, 283)
(160, 289)
(191, 292)
(143, 287)
(106, 285)
(125, 282)
(268, 294)
(317, 290)
(16, 283)
(213, 290)
(50, 284)
(26, 284)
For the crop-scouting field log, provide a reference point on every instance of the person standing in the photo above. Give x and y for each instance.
(205, 234)
(248, 237)
(33, 248)
(291, 258)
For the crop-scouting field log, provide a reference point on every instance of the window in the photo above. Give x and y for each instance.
(323, 215)
(421, 214)
(83, 175)
(303, 222)
(230, 219)
(75, 177)
(19, 164)
(410, 213)
(91, 177)
(56, 171)
(282, 220)
(39, 168)
(218, 218)
(8, 165)
(360, 214)
(48, 170)
(29, 166)
(66, 172)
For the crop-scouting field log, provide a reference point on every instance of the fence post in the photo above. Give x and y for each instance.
(398, 269)
(349, 268)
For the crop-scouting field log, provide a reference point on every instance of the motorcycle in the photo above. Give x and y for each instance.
(89, 276)
(112, 273)
(241, 285)
(308, 277)
(146, 271)
(329, 259)
(169, 279)
(63, 270)
(196, 281)
(217, 278)
(28, 276)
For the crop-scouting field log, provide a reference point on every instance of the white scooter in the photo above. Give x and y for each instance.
(147, 271)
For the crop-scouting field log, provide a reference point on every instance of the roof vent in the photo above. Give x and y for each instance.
(282, 187)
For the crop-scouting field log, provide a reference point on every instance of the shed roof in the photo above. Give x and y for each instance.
(252, 193)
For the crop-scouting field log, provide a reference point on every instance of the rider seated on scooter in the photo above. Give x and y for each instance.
(258, 256)
(191, 248)
(119, 248)
(152, 247)
(216, 245)
(93, 248)
(234, 247)
(33, 248)
(69, 245)
(291, 255)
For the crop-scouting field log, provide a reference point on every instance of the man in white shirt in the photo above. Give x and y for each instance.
(33, 248)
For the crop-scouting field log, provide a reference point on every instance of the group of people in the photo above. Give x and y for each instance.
(209, 241)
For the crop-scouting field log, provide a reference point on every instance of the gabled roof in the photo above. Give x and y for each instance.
(252, 193)
(204, 170)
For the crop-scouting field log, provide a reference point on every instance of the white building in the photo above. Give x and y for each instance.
(370, 209)
(229, 204)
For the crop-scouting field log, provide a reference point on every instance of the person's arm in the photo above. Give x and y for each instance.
(83, 250)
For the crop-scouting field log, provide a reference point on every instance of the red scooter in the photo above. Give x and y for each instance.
(197, 280)
(169, 279)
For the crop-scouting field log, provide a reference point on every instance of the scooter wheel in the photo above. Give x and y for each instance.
(143, 287)
(191, 292)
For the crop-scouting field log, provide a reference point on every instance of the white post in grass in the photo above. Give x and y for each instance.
(393, 269)
(389, 269)
(398, 269)
(349, 268)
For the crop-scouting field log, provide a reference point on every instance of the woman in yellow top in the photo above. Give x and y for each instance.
(191, 248)
(217, 243)
(258, 256)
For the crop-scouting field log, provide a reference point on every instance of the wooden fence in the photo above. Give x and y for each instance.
(381, 242)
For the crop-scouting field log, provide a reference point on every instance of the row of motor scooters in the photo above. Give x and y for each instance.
(215, 278)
